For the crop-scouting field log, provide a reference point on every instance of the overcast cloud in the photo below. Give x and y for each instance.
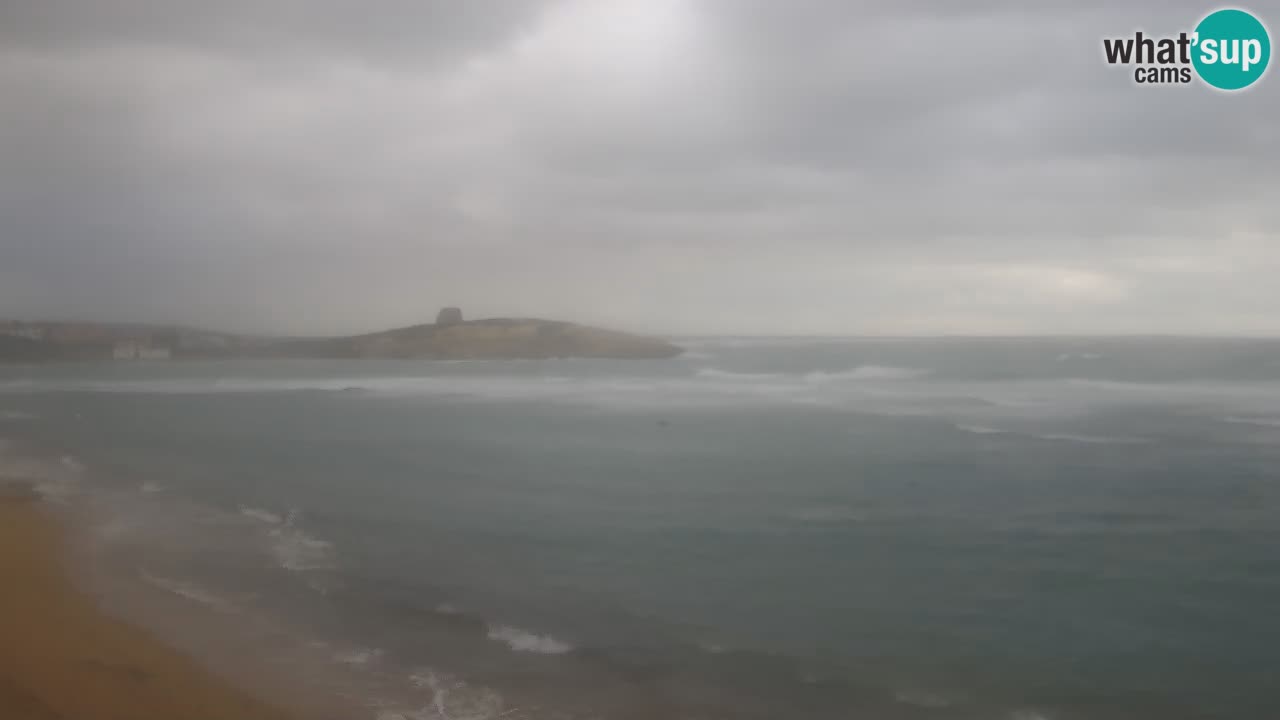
(672, 166)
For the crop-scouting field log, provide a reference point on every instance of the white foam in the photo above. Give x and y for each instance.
(862, 388)
(71, 464)
(58, 490)
(453, 699)
(1091, 439)
(52, 481)
(425, 678)
(525, 641)
(498, 386)
(297, 551)
(150, 488)
(428, 679)
(866, 372)
(1258, 421)
(261, 515)
(857, 373)
(15, 416)
(357, 657)
(718, 374)
(866, 388)
(735, 343)
(190, 591)
(1054, 437)
(292, 547)
(1065, 357)
(980, 429)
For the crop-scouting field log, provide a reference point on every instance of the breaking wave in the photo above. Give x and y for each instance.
(980, 429)
(356, 657)
(451, 697)
(52, 481)
(860, 372)
(1258, 421)
(261, 515)
(867, 372)
(295, 550)
(525, 641)
(974, 429)
(190, 591)
(1091, 439)
(717, 374)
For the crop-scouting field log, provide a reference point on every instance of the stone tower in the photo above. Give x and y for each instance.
(449, 316)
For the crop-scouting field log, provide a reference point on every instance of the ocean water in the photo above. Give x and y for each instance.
(878, 529)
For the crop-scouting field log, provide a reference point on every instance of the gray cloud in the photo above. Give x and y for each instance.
(662, 165)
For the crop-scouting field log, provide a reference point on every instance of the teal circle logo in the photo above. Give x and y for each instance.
(1231, 49)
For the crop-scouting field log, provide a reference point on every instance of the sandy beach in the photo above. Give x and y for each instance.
(62, 658)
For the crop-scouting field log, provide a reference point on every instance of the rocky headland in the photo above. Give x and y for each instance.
(449, 337)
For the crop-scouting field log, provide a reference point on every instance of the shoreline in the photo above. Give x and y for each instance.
(65, 658)
(97, 607)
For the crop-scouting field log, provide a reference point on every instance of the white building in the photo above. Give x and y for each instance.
(139, 350)
(16, 329)
(155, 353)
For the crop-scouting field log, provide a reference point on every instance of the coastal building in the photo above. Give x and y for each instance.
(449, 316)
(140, 350)
(22, 330)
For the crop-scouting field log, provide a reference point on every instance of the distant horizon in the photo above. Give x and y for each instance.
(681, 336)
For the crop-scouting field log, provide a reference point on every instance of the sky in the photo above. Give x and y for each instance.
(665, 166)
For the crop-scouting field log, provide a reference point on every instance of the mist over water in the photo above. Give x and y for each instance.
(762, 528)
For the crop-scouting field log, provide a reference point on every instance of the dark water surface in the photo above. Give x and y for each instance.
(879, 529)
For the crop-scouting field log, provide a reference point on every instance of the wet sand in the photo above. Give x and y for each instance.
(62, 658)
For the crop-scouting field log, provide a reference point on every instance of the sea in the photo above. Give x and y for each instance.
(807, 528)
